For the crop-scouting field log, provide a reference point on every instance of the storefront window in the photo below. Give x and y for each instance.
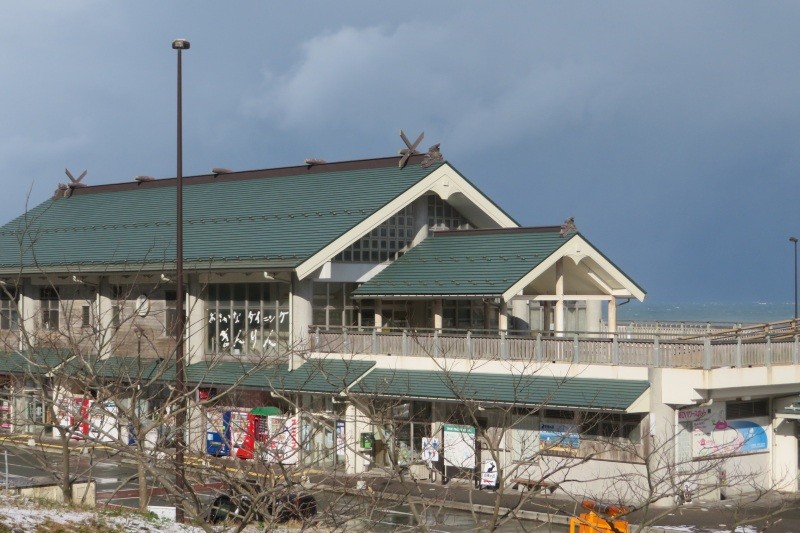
(247, 318)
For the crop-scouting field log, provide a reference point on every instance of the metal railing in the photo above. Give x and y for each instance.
(654, 350)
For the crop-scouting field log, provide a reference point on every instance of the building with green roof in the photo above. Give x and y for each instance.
(308, 289)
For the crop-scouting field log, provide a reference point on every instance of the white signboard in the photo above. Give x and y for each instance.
(459, 446)
(489, 474)
(104, 422)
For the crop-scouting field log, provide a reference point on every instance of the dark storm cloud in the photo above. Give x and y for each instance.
(669, 130)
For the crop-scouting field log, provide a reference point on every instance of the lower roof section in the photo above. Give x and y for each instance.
(526, 390)
(328, 376)
(358, 377)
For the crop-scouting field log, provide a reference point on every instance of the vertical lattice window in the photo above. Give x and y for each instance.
(48, 301)
(171, 314)
(332, 306)
(119, 295)
(387, 241)
(443, 216)
(86, 316)
(9, 310)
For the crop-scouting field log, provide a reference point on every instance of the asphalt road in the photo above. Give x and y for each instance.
(117, 484)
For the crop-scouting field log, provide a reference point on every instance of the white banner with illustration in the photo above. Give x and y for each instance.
(714, 434)
(459, 446)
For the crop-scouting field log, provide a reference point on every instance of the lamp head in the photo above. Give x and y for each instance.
(180, 44)
(793, 239)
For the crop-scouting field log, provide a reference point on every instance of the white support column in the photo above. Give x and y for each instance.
(196, 320)
(594, 315)
(437, 314)
(378, 315)
(355, 424)
(28, 311)
(559, 318)
(612, 315)
(661, 428)
(419, 210)
(521, 315)
(104, 315)
(502, 318)
(301, 316)
(784, 452)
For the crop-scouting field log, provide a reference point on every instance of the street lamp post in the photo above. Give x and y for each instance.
(180, 371)
(793, 240)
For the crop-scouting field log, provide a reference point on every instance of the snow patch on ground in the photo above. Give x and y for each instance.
(23, 514)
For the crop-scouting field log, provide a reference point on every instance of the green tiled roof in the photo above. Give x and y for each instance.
(323, 375)
(568, 392)
(273, 218)
(133, 368)
(36, 363)
(477, 262)
(315, 375)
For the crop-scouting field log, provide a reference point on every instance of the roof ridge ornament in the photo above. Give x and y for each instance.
(569, 227)
(434, 155)
(409, 150)
(64, 190)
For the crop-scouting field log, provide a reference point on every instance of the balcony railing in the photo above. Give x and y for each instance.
(655, 350)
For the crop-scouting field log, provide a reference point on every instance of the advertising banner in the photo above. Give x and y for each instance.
(719, 436)
(559, 437)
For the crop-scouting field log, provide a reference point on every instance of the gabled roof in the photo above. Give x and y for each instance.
(465, 263)
(532, 390)
(491, 263)
(265, 219)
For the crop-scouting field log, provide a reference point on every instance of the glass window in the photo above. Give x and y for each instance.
(9, 310)
(171, 315)
(247, 318)
(332, 306)
(443, 216)
(389, 240)
(747, 409)
(48, 301)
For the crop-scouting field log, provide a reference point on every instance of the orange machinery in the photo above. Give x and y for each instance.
(599, 519)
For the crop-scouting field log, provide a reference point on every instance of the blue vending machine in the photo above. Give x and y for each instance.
(218, 432)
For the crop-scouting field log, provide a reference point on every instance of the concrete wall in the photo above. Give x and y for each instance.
(82, 493)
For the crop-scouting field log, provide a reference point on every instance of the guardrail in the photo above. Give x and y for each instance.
(572, 347)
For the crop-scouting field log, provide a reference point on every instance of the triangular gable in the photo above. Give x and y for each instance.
(445, 181)
(578, 249)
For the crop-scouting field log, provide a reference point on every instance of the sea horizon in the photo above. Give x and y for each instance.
(727, 312)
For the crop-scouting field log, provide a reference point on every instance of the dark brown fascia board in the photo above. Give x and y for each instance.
(492, 231)
(303, 170)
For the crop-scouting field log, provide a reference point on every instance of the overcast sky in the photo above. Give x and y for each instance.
(669, 130)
